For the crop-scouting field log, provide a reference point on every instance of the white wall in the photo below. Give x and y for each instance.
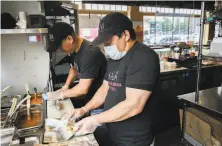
(22, 62)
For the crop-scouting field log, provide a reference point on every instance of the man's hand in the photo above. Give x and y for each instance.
(75, 114)
(53, 96)
(87, 125)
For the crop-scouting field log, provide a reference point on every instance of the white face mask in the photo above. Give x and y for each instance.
(113, 52)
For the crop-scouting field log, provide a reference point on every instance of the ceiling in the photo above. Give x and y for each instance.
(209, 5)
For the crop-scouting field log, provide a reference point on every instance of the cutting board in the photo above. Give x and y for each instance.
(66, 107)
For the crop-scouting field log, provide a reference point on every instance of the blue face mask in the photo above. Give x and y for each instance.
(113, 52)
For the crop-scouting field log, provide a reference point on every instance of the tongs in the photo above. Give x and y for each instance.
(11, 111)
(6, 88)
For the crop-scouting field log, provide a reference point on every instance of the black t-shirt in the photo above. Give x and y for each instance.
(90, 63)
(139, 69)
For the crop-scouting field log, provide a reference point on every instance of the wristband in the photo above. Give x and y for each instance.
(61, 96)
(85, 109)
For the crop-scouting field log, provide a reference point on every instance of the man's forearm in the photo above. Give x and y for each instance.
(120, 112)
(71, 76)
(98, 99)
(75, 92)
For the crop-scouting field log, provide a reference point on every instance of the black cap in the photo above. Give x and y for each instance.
(57, 33)
(110, 24)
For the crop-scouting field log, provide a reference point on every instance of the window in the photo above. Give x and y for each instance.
(143, 9)
(107, 7)
(157, 32)
(88, 6)
(155, 9)
(118, 8)
(165, 30)
(94, 6)
(194, 29)
(103, 7)
(124, 8)
(100, 6)
(113, 7)
(180, 29)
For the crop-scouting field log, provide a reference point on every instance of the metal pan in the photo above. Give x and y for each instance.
(35, 120)
(35, 99)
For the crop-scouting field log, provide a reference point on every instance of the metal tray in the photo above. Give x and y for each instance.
(23, 122)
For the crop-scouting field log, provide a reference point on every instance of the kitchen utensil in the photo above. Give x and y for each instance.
(22, 16)
(35, 92)
(6, 101)
(20, 103)
(10, 111)
(22, 20)
(24, 122)
(6, 88)
(28, 100)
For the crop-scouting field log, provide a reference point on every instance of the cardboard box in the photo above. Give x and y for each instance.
(199, 127)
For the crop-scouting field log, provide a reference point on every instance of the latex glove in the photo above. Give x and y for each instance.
(75, 114)
(64, 88)
(86, 126)
(53, 96)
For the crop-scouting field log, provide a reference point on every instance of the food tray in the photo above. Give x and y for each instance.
(25, 122)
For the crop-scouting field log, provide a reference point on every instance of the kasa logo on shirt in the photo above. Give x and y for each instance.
(113, 83)
(113, 76)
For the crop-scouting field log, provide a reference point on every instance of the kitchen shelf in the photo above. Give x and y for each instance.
(25, 31)
(58, 17)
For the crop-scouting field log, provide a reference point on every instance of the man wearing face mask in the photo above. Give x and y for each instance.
(127, 91)
(89, 64)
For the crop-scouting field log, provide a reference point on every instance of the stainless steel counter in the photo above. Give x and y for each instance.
(172, 69)
(49, 112)
(210, 99)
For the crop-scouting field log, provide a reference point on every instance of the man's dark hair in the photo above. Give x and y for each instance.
(131, 32)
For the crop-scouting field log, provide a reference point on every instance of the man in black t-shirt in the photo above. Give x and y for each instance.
(127, 91)
(89, 63)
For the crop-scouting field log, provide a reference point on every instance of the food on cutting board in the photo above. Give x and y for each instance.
(58, 130)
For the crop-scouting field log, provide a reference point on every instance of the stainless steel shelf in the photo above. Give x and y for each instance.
(25, 31)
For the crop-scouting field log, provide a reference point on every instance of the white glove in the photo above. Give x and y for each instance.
(53, 96)
(86, 126)
(75, 114)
